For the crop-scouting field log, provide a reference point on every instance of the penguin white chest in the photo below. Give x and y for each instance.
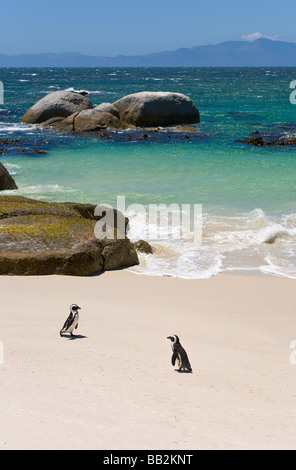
(74, 323)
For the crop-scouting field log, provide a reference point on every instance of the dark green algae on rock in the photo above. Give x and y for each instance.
(41, 238)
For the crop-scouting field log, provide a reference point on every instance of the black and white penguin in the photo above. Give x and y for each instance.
(72, 321)
(179, 353)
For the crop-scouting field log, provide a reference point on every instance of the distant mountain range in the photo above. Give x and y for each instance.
(260, 53)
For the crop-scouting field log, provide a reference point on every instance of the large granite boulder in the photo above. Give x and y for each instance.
(60, 124)
(6, 180)
(150, 109)
(57, 104)
(39, 238)
(108, 108)
(95, 120)
(89, 120)
(68, 111)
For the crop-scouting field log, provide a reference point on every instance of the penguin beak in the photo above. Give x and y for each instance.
(170, 337)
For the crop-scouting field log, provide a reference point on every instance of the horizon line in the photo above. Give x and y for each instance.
(147, 53)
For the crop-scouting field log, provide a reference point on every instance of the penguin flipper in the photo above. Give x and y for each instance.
(76, 326)
(174, 357)
(67, 322)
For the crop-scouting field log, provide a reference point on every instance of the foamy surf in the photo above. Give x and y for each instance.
(13, 169)
(16, 127)
(90, 92)
(48, 192)
(251, 241)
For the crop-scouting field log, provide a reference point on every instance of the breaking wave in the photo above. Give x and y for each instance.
(246, 242)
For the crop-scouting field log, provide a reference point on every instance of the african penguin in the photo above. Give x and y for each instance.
(72, 321)
(179, 353)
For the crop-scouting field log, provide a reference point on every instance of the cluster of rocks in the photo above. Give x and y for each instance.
(19, 146)
(40, 238)
(266, 141)
(70, 111)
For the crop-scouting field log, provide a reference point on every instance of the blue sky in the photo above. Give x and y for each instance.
(138, 26)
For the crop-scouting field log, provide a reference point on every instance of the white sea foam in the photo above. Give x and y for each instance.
(14, 170)
(16, 127)
(43, 189)
(245, 242)
(89, 92)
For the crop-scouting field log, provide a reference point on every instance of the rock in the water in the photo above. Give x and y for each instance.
(38, 238)
(89, 120)
(108, 108)
(95, 120)
(57, 104)
(60, 124)
(150, 109)
(143, 247)
(69, 111)
(6, 180)
(186, 129)
(260, 141)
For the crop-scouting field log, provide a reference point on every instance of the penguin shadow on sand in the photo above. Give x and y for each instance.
(183, 371)
(179, 355)
(71, 324)
(73, 337)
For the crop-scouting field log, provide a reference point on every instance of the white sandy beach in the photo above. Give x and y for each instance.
(113, 387)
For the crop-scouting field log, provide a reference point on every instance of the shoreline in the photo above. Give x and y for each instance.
(240, 272)
(113, 387)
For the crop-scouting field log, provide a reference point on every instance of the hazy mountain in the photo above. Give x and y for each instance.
(259, 53)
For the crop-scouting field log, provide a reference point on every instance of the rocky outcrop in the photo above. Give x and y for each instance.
(68, 111)
(186, 129)
(268, 139)
(89, 120)
(23, 146)
(57, 104)
(6, 180)
(117, 253)
(108, 108)
(267, 142)
(143, 247)
(151, 109)
(38, 238)
(60, 124)
(95, 119)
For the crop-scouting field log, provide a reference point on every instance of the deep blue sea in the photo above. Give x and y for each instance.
(247, 194)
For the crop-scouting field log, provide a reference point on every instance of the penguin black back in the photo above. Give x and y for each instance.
(72, 321)
(179, 354)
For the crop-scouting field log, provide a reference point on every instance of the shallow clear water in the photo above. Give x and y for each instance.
(247, 193)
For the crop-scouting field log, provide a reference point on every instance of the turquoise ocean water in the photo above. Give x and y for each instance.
(248, 194)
